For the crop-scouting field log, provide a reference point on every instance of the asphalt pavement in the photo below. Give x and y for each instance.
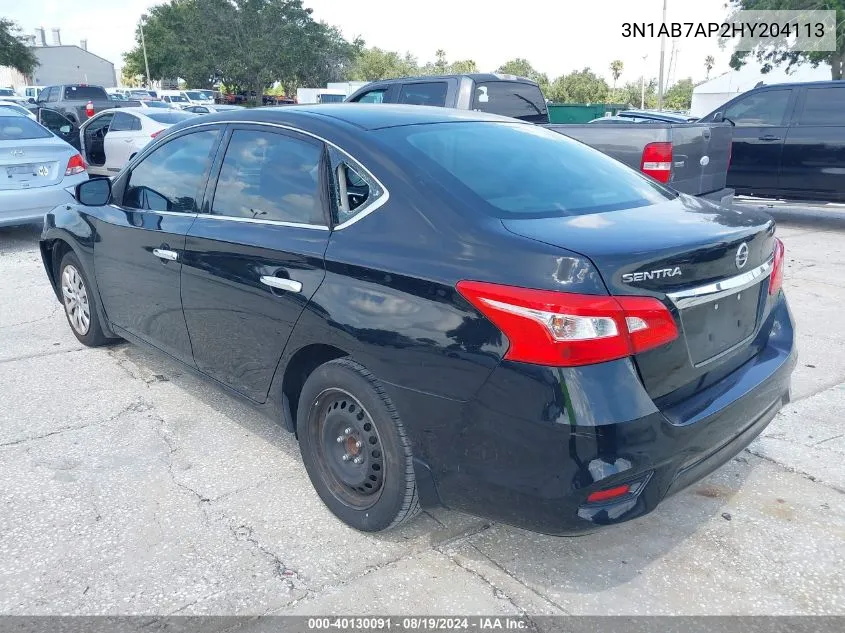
(130, 486)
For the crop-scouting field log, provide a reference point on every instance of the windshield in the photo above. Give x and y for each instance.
(88, 93)
(19, 128)
(519, 170)
(196, 96)
(178, 99)
(169, 117)
(7, 92)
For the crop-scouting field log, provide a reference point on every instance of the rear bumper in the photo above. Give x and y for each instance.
(535, 442)
(723, 197)
(23, 206)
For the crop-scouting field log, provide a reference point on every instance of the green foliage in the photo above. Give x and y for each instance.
(581, 86)
(679, 96)
(13, 52)
(374, 63)
(631, 94)
(247, 44)
(616, 68)
(523, 68)
(779, 53)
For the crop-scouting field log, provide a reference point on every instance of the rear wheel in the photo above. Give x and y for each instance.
(355, 448)
(79, 303)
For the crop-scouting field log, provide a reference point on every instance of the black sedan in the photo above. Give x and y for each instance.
(447, 307)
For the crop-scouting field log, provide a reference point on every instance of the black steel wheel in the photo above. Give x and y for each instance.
(354, 447)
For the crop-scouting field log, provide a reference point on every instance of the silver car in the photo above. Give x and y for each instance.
(36, 168)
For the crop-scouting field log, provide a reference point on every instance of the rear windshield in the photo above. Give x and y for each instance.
(85, 92)
(169, 117)
(19, 128)
(515, 99)
(518, 170)
(10, 107)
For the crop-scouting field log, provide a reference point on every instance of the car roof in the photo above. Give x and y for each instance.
(478, 77)
(367, 116)
(799, 84)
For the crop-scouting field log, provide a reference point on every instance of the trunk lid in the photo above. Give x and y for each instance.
(670, 251)
(35, 163)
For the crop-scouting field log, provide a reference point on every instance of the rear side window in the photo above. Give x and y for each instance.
(824, 106)
(511, 98)
(86, 92)
(270, 176)
(761, 108)
(123, 122)
(170, 178)
(429, 93)
(515, 170)
(353, 189)
(18, 128)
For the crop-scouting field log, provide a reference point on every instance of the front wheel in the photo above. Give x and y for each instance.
(354, 447)
(80, 303)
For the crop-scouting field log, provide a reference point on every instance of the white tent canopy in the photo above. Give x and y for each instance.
(711, 94)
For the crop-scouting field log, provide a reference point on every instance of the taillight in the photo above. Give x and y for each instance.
(76, 165)
(154, 134)
(89, 109)
(776, 278)
(657, 161)
(562, 329)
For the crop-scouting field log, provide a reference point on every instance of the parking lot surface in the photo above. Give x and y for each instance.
(129, 486)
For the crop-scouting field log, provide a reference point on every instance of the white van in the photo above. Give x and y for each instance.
(199, 97)
(176, 99)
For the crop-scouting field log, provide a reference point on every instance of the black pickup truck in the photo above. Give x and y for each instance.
(788, 140)
(689, 157)
(78, 102)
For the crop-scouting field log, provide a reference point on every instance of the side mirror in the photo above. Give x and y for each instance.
(65, 129)
(94, 193)
(718, 117)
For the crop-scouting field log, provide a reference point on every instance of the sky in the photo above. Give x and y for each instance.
(556, 36)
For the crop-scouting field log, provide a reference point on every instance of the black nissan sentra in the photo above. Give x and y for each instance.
(446, 307)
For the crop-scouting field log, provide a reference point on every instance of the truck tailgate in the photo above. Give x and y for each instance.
(700, 151)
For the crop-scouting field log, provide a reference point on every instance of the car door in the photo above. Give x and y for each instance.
(760, 120)
(61, 126)
(814, 150)
(385, 93)
(93, 137)
(254, 259)
(141, 239)
(119, 143)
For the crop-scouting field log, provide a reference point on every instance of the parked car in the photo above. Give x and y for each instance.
(199, 97)
(31, 92)
(691, 158)
(140, 95)
(9, 94)
(159, 105)
(111, 138)
(206, 109)
(788, 140)
(78, 102)
(175, 99)
(14, 106)
(447, 307)
(37, 169)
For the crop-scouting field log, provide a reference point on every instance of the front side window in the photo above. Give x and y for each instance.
(823, 106)
(172, 176)
(270, 176)
(52, 94)
(762, 108)
(373, 96)
(518, 170)
(353, 189)
(429, 93)
(511, 98)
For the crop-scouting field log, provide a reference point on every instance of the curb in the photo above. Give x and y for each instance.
(808, 213)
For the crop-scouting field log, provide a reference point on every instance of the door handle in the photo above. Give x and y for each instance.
(769, 137)
(162, 253)
(281, 283)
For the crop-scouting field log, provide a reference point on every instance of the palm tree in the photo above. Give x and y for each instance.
(616, 67)
(709, 62)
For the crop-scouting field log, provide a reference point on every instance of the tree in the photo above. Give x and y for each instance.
(616, 67)
(709, 62)
(13, 51)
(581, 86)
(631, 94)
(779, 51)
(522, 68)
(679, 96)
(374, 63)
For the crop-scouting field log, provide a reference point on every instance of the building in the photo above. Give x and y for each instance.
(62, 64)
(708, 96)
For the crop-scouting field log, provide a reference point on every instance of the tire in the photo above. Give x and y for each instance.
(79, 302)
(344, 411)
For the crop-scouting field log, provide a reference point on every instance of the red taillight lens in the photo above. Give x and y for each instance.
(565, 329)
(75, 165)
(89, 109)
(776, 278)
(609, 493)
(154, 134)
(657, 161)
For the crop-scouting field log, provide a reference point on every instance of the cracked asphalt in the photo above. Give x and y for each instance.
(129, 486)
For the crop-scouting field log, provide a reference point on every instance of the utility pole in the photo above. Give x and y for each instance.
(642, 84)
(662, 55)
(144, 48)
